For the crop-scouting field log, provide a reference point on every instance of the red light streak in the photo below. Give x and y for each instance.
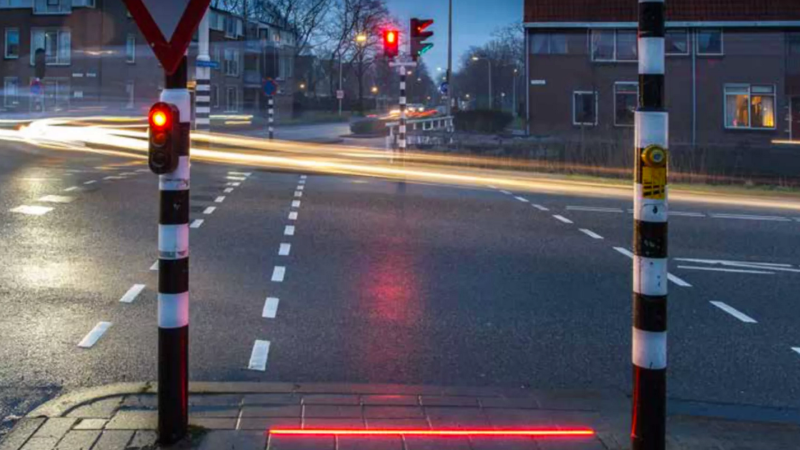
(577, 432)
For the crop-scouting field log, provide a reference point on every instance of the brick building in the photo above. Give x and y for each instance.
(732, 70)
(96, 59)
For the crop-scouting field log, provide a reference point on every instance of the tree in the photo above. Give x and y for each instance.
(302, 18)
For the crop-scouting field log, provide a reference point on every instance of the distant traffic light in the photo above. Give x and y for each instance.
(418, 37)
(391, 43)
(164, 139)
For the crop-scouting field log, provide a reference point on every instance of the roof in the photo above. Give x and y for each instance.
(570, 11)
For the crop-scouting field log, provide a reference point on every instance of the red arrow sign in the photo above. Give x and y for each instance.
(168, 26)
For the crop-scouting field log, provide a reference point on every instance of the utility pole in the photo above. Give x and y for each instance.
(649, 353)
(449, 96)
(203, 94)
(341, 89)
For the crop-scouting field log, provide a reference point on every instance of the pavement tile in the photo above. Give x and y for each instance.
(213, 411)
(502, 402)
(394, 412)
(78, 440)
(90, 424)
(264, 424)
(448, 401)
(102, 409)
(214, 423)
(301, 443)
(35, 443)
(320, 399)
(390, 400)
(369, 443)
(143, 439)
(271, 399)
(113, 440)
(234, 440)
(233, 400)
(272, 411)
(331, 411)
(503, 418)
(55, 428)
(436, 443)
(398, 424)
(517, 443)
(133, 420)
(23, 430)
(457, 418)
(328, 422)
(570, 444)
(140, 402)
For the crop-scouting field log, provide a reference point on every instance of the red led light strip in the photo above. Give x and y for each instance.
(495, 433)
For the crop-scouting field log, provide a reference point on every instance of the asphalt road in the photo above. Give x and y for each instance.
(383, 283)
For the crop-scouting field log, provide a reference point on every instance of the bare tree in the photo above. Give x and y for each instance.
(302, 18)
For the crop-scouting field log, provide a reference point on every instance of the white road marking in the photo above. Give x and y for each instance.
(258, 359)
(719, 269)
(91, 182)
(300, 187)
(57, 199)
(210, 210)
(270, 308)
(154, 267)
(686, 214)
(743, 264)
(228, 190)
(298, 193)
(278, 273)
(143, 170)
(302, 182)
(539, 207)
(219, 199)
(233, 184)
(243, 174)
(296, 204)
(197, 223)
(748, 217)
(133, 292)
(562, 218)
(94, 335)
(680, 282)
(734, 312)
(304, 176)
(285, 249)
(624, 251)
(595, 209)
(522, 199)
(293, 215)
(70, 189)
(289, 230)
(236, 178)
(491, 187)
(32, 210)
(591, 234)
(127, 174)
(505, 192)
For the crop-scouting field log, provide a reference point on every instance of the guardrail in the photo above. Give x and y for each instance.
(444, 123)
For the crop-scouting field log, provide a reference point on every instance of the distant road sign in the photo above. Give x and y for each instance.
(444, 88)
(340, 95)
(168, 26)
(36, 87)
(270, 87)
(209, 64)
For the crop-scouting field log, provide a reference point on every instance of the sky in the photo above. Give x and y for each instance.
(473, 23)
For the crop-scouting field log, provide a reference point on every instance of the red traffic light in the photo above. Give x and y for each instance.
(161, 116)
(391, 43)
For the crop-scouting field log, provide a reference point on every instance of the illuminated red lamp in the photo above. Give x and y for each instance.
(536, 433)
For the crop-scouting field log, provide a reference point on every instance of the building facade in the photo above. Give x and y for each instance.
(97, 59)
(732, 70)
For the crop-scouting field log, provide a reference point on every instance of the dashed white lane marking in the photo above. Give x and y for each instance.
(154, 267)
(296, 204)
(301, 187)
(734, 312)
(70, 189)
(302, 182)
(278, 274)
(303, 177)
(285, 249)
(761, 266)
(94, 335)
(595, 209)
(505, 192)
(228, 190)
(491, 187)
(219, 199)
(133, 292)
(748, 217)
(298, 193)
(233, 184)
(522, 199)
(270, 308)
(680, 282)
(289, 230)
(258, 359)
(796, 350)
(113, 177)
(293, 215)
(236, 178)
(686, 214)
(57, 199)
(210, 210)
(562, 219)
(539, 207)
(242, 174)
(719, 269)
(32, 210)
(624, 251)
(91, 182)
(591, 234)
(197, 223)
(127, 174)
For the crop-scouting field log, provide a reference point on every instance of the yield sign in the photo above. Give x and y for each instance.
(168, 25)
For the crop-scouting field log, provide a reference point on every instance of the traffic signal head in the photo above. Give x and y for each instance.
(164, 138)
(418, 37)
(391, 43)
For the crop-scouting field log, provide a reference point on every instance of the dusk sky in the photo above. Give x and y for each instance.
(473, 23)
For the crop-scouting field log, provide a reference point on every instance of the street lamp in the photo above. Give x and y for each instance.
(374, 89)
(514, 99)
(489, 64)
(361, 38)
(302, 86)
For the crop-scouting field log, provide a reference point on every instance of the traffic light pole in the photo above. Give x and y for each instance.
(173, 275)
(649, 352)
(402, 131)
(203, 94)
(271, 105)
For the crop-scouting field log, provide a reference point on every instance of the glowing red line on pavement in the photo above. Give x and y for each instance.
(411, 432)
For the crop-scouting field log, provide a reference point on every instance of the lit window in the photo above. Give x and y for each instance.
(709, 41)
(749, 107)
(584, 108)
(625, 102)
(12, 43)
(677, 42)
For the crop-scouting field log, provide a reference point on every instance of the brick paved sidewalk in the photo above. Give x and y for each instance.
(228, 416)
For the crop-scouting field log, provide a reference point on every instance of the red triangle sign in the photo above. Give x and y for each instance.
(168, 26)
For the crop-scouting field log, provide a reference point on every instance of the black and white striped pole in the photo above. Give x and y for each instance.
(203, 92)
(649, 353)
(271, 105)
(402, 130)
(170, 124)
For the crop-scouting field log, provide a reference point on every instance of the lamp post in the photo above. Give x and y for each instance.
(489, 64)
(514, 98)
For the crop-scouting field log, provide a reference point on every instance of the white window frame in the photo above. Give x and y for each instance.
(624, 83)
(749, 87)
(60, 32)
(5, 43)
(6, 97)
(688, 42)
(721, 42)
(235, 59)
(596, 108)
(130, 49)
(615, 58)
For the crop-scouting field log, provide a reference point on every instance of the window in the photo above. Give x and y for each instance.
(677, 42)
(709, 41)
(232, 104)
(11, 92)
(233, 27)
(614, 45)
(543, 43)
(584, 108)
(749, 107)
(12, 43)
(625, 102)
(130, 91)
(627, 45)
(603, 45)
(56, 44)
(231, 62)
(52, 6)
(214, 96)
(130, 49)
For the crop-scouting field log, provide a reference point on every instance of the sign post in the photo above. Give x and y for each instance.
(168, 28)
(270, 89)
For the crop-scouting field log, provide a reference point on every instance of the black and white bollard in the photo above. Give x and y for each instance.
(401, 135)
(271, 112)
(173, 275)
(650, 276)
